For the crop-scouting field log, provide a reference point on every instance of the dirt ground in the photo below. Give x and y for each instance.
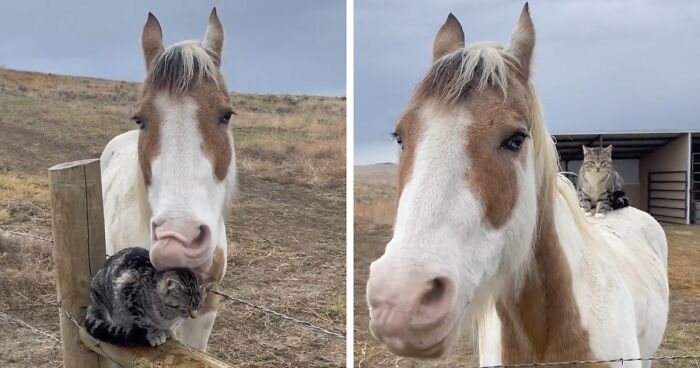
(288, 220)
(374, 201)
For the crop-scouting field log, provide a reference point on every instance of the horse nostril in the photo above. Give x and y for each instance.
(436, 292)
(203, 234)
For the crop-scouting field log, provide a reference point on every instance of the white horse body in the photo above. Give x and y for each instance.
(126, 210)
(620, 285)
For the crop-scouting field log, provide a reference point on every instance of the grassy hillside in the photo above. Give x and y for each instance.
(288, 220)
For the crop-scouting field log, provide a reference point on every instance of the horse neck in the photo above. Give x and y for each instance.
(542, 321)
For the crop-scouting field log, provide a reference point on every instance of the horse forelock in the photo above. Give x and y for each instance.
(184, 66)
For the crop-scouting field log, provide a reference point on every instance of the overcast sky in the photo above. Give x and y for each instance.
(599, 65)
(271, 46)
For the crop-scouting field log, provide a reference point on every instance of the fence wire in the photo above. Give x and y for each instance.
(322, 330)
(283, 316)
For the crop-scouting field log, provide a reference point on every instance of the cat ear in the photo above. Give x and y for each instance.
(171, 284)
(586, 150)
(608, 149)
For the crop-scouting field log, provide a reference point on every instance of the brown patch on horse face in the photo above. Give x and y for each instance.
(544, 324)
(492, 172)
(149, 138)
(408, 129)
(213, 102)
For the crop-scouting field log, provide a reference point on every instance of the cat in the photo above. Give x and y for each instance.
(598, 183)
(133, 304)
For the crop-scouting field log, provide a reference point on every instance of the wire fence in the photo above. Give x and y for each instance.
(338, 335)
(259, 307)
(271, 312)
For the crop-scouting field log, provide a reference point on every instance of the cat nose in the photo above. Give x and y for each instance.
(181, 241)
(193, 313)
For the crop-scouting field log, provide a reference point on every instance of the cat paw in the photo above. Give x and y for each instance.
(156, 338)
(599, 215)
(587, 214)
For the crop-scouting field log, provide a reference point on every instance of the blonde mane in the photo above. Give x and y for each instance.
(182, 67)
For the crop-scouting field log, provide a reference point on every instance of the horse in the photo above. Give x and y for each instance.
(167, 185)
(489, 240)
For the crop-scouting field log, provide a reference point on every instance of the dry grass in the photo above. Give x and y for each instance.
(374, 201)
(288, 219)
(47, 119)
(23, 199)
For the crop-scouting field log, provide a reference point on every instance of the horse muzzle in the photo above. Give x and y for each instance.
(412, 312)
(181, 242)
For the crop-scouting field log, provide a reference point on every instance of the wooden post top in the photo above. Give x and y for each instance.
(68, 165)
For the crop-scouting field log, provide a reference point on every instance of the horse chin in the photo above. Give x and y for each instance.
(439, 349)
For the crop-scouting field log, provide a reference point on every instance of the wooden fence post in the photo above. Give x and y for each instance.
(79, 249)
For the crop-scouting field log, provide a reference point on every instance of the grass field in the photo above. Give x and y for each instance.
(374, 211)
(288, 220)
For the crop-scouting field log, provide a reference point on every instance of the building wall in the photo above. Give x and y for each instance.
(673, 156)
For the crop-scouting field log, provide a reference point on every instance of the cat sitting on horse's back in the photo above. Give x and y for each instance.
(599, 185)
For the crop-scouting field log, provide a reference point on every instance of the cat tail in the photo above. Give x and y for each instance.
(100, 328)
(619, 200)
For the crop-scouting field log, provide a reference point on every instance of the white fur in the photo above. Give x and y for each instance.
(182, 181)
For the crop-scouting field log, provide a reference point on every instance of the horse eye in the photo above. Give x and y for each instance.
(515, 142)
(397, 138)
(139, 122)
(226, 118)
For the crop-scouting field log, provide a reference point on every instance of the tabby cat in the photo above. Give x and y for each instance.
(133, 304)
(598, 183)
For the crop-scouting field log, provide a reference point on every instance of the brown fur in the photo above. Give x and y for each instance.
(492, 174)
(149, 138)
(212, 105)
(544, 324)
(217, 273)
(449, 38)
(408, 129)
(151, 40)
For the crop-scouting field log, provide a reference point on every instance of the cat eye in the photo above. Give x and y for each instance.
(226, 117)
(139, 122)
(397, 138)
(515, 142)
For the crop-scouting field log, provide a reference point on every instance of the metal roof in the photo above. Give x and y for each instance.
(626, 145)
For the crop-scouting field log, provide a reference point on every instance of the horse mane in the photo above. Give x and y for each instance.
(488, 64)
(182, 67)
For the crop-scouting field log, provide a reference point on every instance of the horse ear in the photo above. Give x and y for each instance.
(151, 40)
(449, 38)
(522, 40)
(214, 38)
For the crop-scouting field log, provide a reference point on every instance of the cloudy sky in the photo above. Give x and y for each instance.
(271, 46)
(600, 65)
